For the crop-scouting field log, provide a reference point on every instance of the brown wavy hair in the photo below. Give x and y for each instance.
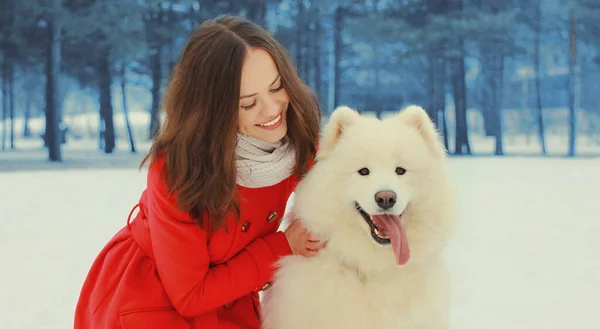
(201, 103)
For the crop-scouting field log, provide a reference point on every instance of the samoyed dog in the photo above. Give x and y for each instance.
(379, 193)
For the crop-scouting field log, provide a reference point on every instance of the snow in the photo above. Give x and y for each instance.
(525, 252)
(53, 224)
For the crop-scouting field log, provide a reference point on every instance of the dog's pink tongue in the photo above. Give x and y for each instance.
(397, 236)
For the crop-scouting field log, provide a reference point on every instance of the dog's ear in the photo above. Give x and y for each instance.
(416, 117)
(341, 118)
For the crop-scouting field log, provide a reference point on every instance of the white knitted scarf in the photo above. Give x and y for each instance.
(261, 163)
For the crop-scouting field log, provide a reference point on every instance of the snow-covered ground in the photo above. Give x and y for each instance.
(525, 253)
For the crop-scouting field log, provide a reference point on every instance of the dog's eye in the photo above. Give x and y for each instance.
(400, 171)
(364, 171)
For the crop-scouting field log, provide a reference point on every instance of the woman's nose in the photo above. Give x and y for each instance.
(271, 107)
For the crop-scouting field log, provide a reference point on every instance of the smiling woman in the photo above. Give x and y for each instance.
(241, 129)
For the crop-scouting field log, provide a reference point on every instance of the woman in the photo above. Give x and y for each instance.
(240, 131)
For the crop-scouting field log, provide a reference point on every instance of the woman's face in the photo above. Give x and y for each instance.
(263, 101)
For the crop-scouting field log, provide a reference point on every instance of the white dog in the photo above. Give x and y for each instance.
(380, 195)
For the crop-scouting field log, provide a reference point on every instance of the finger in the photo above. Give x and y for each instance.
(314, 246)
(313, 238)
(309, 253)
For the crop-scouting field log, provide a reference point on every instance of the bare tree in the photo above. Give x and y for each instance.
(53, 114)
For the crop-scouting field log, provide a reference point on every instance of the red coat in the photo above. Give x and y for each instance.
(163, 271)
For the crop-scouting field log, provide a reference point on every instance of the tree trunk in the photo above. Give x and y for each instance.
(11, 104)
(497, 86)
(536, 63)
(155, 67)
(53, 57)
(4, 102)
(27, 114)
(155, 45)
(106, 108)
(125, 112)
(101, 130)
(306, 50)
(489, 70)
(431, 76)
(461, 145)
(299, 40)
(493, 70)
(487, 111)
(438, 75)
(171, 43)
(440, 98)
(317, 57)
(435, 79)
(572, 61)
(337, 49)
(445, 129)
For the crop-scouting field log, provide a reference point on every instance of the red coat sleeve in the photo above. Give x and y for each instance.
(181, 255)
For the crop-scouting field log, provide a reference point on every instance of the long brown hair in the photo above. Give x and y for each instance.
(201, 103)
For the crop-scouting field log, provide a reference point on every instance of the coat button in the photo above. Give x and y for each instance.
(266, 286)
(272, 217)
(228, 305)
(246, 226)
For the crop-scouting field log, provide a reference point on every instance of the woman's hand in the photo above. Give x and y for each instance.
(301, 241)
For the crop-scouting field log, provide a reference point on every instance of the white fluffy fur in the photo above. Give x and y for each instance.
(355, 282)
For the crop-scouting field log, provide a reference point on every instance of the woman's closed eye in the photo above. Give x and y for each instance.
(249, 107)
(278, 88)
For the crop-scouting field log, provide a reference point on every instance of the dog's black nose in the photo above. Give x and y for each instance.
(385, 199)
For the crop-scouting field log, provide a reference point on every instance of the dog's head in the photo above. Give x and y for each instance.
(374, 181)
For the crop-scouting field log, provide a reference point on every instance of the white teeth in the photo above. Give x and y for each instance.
(270, 123)
(380, 234)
